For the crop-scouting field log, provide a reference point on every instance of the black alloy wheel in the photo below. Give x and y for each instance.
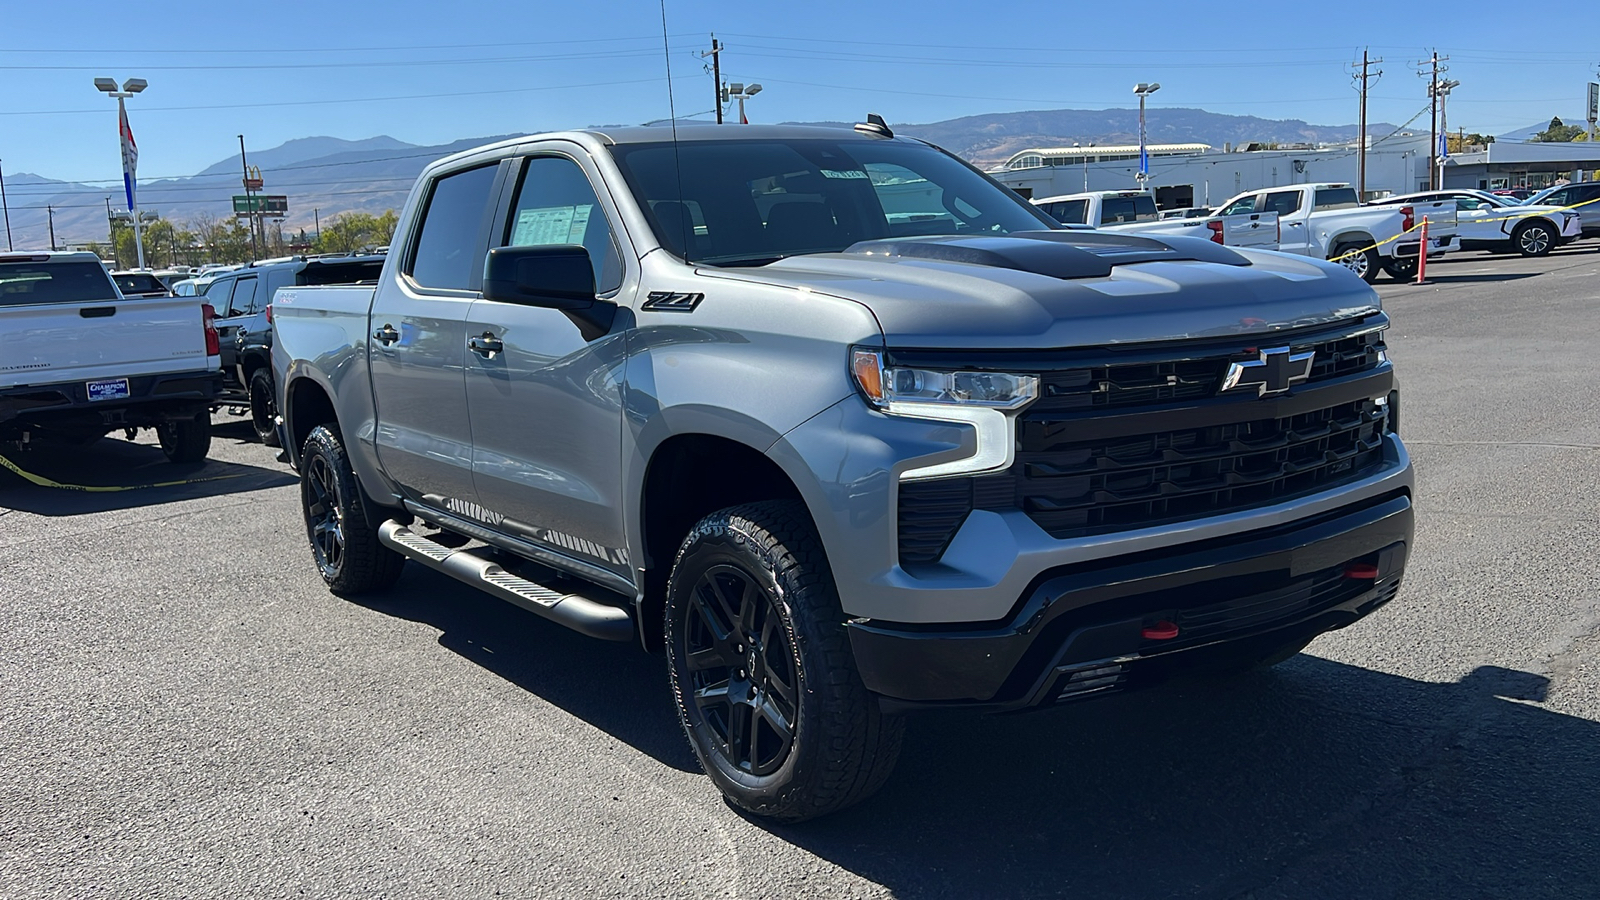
(762, 671)
(263, 407)
(342, 531)
(324, 518)
(742, 676)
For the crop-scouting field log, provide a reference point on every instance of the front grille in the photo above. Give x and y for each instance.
(1144, 381)
(1079, 473)
(1076, 488)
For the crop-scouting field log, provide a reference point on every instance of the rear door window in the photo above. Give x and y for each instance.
(243, 302)
(1284, 203)
(1067, 212)
(1335, 198)
(1115, 210)
(449, 246)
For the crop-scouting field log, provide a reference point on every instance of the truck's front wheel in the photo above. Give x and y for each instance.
(343, 535)
(762, 673)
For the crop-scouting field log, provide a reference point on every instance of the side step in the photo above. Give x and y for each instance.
(598, 620)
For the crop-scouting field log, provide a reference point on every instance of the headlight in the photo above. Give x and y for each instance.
(987, 401)
(886, 387)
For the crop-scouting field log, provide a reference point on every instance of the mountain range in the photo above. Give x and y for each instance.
(326, 176)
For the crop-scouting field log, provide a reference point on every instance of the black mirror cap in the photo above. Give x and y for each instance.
(559, 276)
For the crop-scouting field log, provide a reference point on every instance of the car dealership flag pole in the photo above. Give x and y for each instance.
(130, 174)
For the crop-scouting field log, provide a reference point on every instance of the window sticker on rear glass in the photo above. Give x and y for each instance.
(551, 225)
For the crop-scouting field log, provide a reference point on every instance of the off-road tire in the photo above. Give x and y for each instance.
(842, 746)
(1365, 264)
(263, 408)
(344, 538)
(1535, 238)
(186, 440)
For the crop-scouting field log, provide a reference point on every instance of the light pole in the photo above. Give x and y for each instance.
(130, 150)
(7, 208)
(1144, 90)
(741, 93)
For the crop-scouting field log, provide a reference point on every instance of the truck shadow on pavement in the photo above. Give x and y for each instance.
(137, 474)
(1315, 780)
(614, 686)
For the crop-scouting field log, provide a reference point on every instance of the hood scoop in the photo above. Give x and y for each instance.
(1054, 254)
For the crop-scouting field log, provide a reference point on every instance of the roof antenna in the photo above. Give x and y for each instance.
(677, 159)
(875, 125)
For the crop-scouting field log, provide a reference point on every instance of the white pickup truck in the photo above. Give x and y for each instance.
(1135, 211)
(1327, 221)
(79, 360)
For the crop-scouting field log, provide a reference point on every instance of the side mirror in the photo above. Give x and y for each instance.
(1485, 207)
(553, 277)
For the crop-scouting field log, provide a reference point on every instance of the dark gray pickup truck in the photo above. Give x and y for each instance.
(845, 430)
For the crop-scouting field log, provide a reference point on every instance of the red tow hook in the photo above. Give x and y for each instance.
(1361, 571)
(1160, 631)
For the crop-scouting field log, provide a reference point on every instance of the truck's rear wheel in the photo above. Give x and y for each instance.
(344, 540)
(262, 407)
(762, 672)
(186, 440)
(1401, 268)
(1363, 262)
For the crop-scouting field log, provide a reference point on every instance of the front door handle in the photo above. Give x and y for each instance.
(485, 345)
(386, 335)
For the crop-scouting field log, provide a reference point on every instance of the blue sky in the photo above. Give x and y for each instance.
(429, 73)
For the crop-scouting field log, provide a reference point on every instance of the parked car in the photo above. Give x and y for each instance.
(1327, 221)
(1135, 212)
(1487, 222)
(1583, 198)
(140, 283)
(243, 300)
(1513, 193)
(705, 393)
(81, 360)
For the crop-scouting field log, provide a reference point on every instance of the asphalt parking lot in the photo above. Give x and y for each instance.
(185, 711)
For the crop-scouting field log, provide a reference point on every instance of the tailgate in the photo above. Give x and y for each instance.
(1441, 217)
(54, 342)
(1258, 231)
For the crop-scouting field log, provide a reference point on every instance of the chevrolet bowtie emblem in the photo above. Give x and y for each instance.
(1272, 373)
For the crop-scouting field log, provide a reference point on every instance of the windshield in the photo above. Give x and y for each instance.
(751, 202)
(53, 282)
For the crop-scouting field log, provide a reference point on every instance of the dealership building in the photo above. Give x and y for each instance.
(1203, 175)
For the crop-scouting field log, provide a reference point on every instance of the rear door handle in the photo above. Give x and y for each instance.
(485, 345)
(386, 335)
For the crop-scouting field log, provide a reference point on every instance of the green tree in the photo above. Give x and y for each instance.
(1558, 132)
(353, 231)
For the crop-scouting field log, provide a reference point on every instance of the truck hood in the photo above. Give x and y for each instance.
(1053, 289)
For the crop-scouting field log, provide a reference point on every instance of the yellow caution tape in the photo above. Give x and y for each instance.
(1529, 214)
(41, 481)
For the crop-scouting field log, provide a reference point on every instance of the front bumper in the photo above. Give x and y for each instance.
(1079, 629)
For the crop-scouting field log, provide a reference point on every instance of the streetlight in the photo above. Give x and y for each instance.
(1144, 90)
(1084, 156)
(1442, 151)
(740, 92)
(130, 150)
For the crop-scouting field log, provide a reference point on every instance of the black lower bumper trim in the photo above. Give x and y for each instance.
(151, 399)
(1082, 630)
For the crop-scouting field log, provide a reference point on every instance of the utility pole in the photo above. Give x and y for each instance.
(1594, 106)
(1434, 156)
(50, 215)
(1367, 78)
(317, 219)
(716, 72)
(1443, 89)
(250, 203)
(6, 207)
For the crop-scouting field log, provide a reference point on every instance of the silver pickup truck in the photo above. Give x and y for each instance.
(845, 430)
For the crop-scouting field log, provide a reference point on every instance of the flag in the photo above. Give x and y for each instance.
(130, 156)
(1444, 146)
(1144, 160)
